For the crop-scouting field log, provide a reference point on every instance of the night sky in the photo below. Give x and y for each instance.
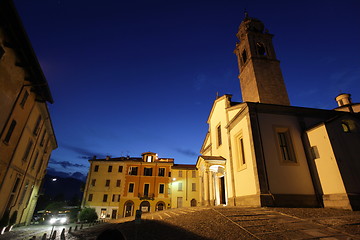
(129, 77)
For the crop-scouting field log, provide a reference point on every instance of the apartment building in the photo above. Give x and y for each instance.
(26, 131)
(116, 187)
(184, 186)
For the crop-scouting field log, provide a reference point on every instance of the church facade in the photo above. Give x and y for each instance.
(264, 152)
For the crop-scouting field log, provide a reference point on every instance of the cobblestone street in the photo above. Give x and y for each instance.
(226, 223)
(239, 223)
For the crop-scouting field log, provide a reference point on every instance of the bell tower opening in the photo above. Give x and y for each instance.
(260, 75)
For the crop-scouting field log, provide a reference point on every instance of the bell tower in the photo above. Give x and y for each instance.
(260, 75)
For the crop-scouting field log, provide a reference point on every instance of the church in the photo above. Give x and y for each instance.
(265, 152)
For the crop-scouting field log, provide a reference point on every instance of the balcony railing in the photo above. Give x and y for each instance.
(150, 196)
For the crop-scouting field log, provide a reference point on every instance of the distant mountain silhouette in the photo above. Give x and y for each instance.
(63, 188)
(78, 175)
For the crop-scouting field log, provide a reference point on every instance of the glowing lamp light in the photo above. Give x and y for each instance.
(174, 179)
(54, 179)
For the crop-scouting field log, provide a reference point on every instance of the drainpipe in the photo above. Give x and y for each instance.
(312, 168)
(230, 159)
(267, 185)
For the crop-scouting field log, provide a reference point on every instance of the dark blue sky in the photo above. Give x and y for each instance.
(134, 76)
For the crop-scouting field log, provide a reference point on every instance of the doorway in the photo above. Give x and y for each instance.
(222, 190)
(160, 206)
(114, 214)
(129, 206)
(145, 206)
(179, 202)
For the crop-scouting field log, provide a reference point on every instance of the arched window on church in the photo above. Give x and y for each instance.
(261, 49)
(345, 127)
(244, 56)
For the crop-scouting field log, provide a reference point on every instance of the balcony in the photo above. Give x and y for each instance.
(150, 196)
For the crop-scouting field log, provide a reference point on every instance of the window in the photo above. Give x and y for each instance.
(103, 213)
(110, 168)
(90, 197)
(120, 169)
(37, 125)
(147, 171)
(93, 182)
(146, 189)
(27, 150)
(244, 56)
(345, 127)
(107, 183)
(10, 131)
(13, 192)
(240, 153)
(118, 183)
(180, 174)
(179, 186)
(24, 193)
(193, 174)
(261, 49)
(161, 188)
(43, 138)
(35, 159)
(314, 152)
(105, 198)
(96, 168)
(218, 130)
(16, 185)
(286, 149)
(133, 171)
(149, 158)
(2, 52)
(23, 100)
(193, 187)
(131, 187)
(161, 172)
(40, 165)
(116, 197)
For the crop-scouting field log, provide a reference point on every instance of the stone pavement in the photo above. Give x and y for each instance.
(237, 223)
(207, 223)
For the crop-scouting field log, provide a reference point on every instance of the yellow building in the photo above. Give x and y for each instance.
(116, 187)
(264, 152)
(184, 186)
(104, 186)
(26, 132)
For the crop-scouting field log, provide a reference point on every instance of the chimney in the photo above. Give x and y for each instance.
(343, 99)
(107, 157)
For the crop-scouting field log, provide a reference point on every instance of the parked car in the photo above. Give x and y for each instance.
(59, 219)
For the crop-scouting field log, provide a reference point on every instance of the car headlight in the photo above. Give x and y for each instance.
(63, 220)
(52, 220)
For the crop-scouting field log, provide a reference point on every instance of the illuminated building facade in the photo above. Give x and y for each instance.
(264, 152)
(116, 187)
(185, 186)
(26, 132)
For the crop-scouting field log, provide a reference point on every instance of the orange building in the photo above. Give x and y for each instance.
(146, 184)
(116, 187)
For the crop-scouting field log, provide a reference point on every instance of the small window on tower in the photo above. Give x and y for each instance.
(149, 158)
(2, 52)
(261, 49)
(244, 56)
(345, 127)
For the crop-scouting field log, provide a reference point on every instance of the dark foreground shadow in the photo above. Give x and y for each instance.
(152, 229)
